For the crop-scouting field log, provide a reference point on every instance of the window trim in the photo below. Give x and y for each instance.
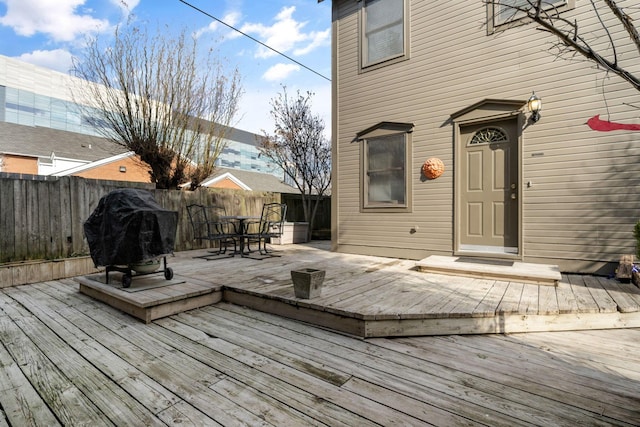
(404, 55)
(493, 27)
(381, 130)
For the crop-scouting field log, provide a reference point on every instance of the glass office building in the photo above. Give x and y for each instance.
(27, 108)
(36, 96)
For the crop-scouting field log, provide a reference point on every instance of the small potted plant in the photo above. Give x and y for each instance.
(635, 272)
(307, 282)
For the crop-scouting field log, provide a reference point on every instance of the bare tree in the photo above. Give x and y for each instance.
(299, 147)
(571, 40)
(152, 94)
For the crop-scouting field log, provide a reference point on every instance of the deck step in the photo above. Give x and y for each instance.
(540, 274)
(151, 298)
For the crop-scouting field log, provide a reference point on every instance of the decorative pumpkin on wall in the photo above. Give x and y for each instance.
(433, 168)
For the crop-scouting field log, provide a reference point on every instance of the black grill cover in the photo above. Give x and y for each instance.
(129, 226)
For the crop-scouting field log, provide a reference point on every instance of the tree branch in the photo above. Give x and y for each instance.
(569, 38)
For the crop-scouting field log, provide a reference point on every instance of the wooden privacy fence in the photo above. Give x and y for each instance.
(43, 217)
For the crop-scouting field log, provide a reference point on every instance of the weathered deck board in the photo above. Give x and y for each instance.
(373, 300)
(21, 402)
(548, 301)
(530, 299)
(465, 307)
(604, 300)
(491, 300)
(89, 378)
(609, 353)
(410, 381)
(230, 365)
(460, 357)
(66, 400)
(557, 383)
(625, 295)
(567, 302)
(336, 291)
(511, 300)
(134, 382)
(188, 378)
(584, 298)
(584, 372)
(325, 381)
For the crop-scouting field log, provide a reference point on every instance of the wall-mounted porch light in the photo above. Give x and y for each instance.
(535, 106)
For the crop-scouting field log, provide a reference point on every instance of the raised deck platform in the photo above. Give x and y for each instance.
(378, 297)
(151, 297)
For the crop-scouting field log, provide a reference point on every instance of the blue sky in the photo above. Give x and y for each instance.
(50, 32)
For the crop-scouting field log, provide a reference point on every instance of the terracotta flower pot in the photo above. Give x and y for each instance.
(307, 282)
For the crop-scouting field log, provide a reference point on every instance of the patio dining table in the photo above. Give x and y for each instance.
(241, 222)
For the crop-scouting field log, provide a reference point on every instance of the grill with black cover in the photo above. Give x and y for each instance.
(129, 227)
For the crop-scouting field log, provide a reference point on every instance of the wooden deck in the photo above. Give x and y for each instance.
(68, 359)
(381, 297)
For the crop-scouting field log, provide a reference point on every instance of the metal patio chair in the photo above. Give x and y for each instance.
(208, 224)
(270, 226)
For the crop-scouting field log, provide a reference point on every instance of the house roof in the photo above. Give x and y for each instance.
(252, 181)
(95, 164)
(36, 141)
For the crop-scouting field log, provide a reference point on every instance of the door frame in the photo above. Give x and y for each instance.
(486, 111)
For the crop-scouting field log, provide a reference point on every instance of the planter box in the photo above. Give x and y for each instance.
(307, 282)
(293, 232)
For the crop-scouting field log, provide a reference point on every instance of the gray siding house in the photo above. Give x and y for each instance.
(450, 80)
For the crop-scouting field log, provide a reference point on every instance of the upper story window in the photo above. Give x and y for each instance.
(384, 33)
(503, 12)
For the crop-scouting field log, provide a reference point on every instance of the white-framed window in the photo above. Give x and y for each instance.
(384, 31)
(386, 173)
(505, 12)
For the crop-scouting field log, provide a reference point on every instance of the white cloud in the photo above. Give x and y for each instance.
(318, 39)
(279, 72)
(56, 18)
(231, 18)
(285, 35)
(57, 59)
